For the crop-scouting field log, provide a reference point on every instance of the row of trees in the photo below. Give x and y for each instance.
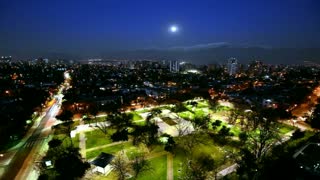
(15, 114)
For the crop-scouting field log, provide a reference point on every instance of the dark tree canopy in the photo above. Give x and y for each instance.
(315, 118)
(66, 115)
(70, 165)
(121, 135)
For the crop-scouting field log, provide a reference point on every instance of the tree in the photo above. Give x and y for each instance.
(207, 163)
(145, 134)
(188, 142)
(258, 144)
(103, 127)
(179, 107)
(54, 143)
(121, 135)
(198, 169)
(213, 102)
(70, 164)
(93, 110)
(154, 112)
(192, 171)
(315, 117)
(67, 161)
(234, 114)
(201, 122)
(66, 116)
(243, 137)
(223, 135)
(261, 141)
(120, 121)
(140, 165)
(152, 132)
(170, 144)
(139, 135)
(120, 165)
(216, 124)
(224, 131)
(248, 166)
(297, 134)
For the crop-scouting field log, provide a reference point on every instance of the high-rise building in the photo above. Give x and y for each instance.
(174, 66)
(232, 66)
(6, 59)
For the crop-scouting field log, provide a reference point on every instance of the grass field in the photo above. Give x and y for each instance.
(136, 116)
(97, 138)
(186, 115)
(284, 128)
(159, 169)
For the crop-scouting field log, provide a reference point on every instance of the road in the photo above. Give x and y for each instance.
(22, 160)
(305, 108)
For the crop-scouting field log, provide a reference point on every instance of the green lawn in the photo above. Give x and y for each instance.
(139, 123)
(142, 111)
(190, 107)
(186, 115)
(64, 127)
(66, 141)
(203, 104)
(284, 128)
(75, 140)
(98, 138)
(159, 172)
(111, 176)
(235, 130)
(178, 162)
(136, 116)
(200, 112)
(209, 148)
(223, 108)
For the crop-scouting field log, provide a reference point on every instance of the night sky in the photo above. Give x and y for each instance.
(92, 26)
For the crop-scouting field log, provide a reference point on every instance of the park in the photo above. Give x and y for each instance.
(174, 140)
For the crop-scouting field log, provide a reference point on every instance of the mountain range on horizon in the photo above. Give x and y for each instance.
(198, 54)
(221, 52)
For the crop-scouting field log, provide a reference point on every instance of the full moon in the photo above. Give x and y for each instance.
(173, 29)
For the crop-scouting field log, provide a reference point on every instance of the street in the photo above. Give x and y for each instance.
(21, 164)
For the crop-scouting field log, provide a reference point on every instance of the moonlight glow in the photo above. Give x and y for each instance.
(173, 29)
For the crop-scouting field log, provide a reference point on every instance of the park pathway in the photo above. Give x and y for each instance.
(154, 155)
(227, 170)
(169, 166)
(82, 141)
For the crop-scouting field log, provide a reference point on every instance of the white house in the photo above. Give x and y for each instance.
(102, 163)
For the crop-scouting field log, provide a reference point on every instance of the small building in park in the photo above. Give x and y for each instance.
(102, 163)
